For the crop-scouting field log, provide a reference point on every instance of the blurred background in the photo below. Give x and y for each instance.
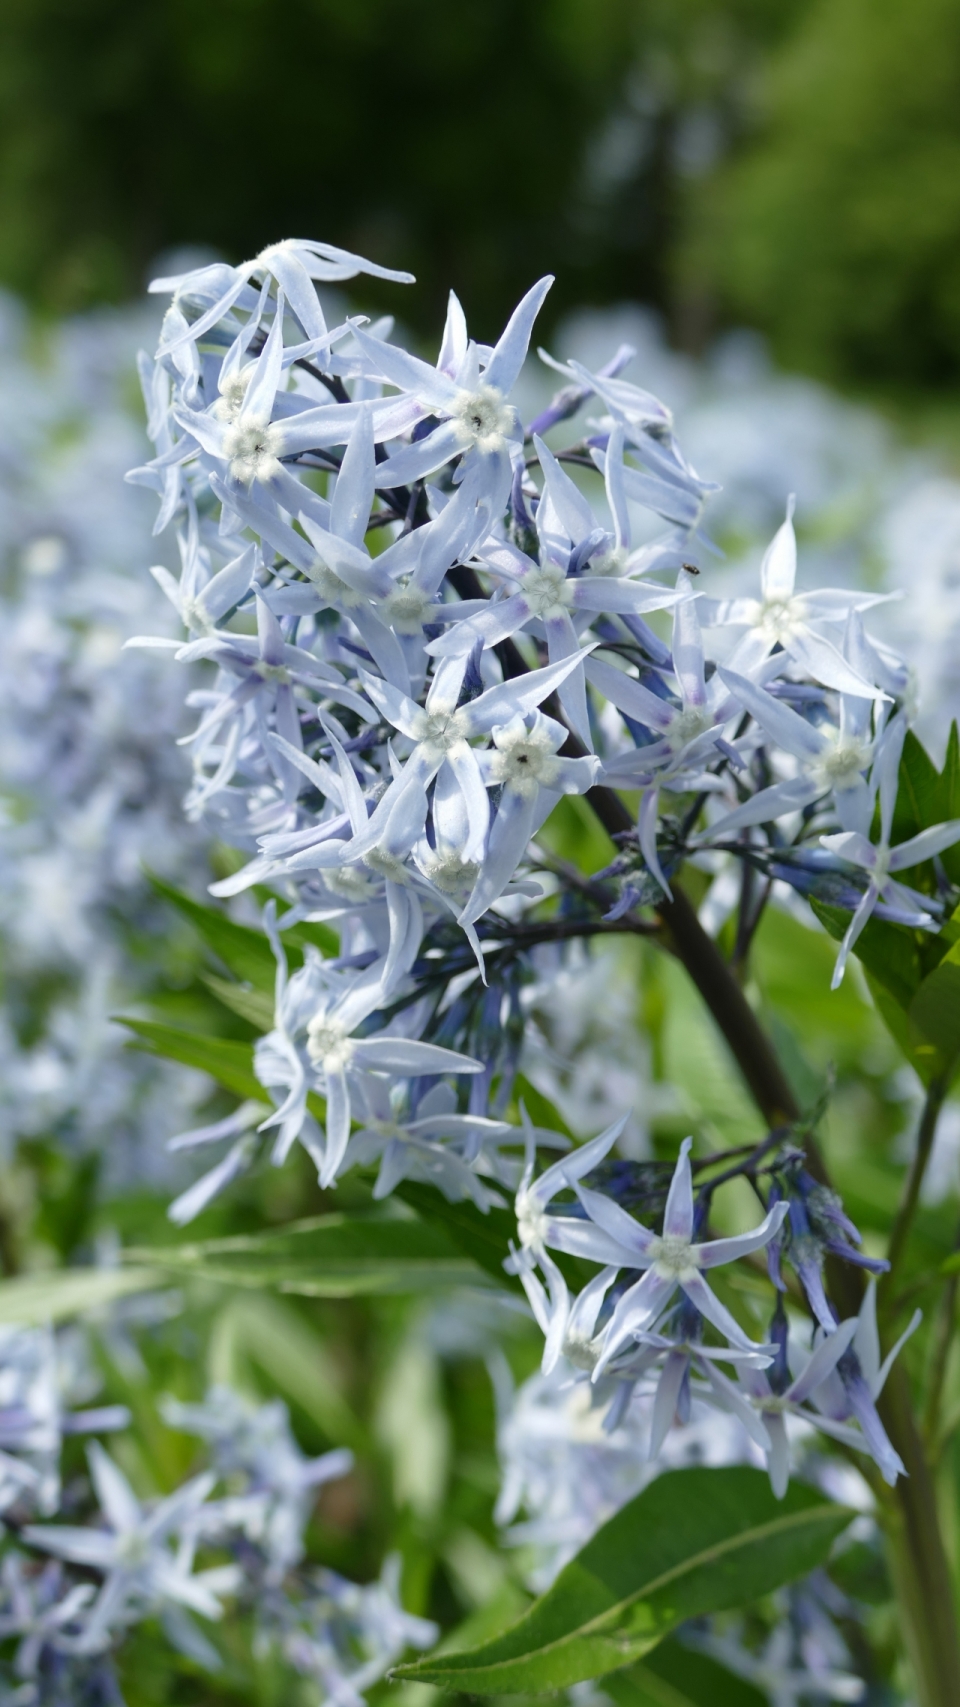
(791, 165)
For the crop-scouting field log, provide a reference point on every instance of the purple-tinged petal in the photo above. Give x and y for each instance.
(717, 1251)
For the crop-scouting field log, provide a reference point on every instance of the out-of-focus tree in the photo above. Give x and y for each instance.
(838, 228)
(523, 136)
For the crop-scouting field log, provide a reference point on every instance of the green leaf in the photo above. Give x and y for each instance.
(541, 1110)
(675, 1676)
(919, 791)
(889, 952)
(227, 1061)
(950, 800)
(695, 1541)
(328, 1256)
(65, 1292)
(253, 1005)
(484, 1239)
(934, 1020)
(244, 950)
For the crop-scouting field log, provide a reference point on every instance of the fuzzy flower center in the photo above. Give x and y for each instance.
(405, 609)
(272, 673)
(387, 865)
(349, 881)
(449, 873)
(780, 619)
(532, 1223)
(133, 1550)
(524, 761)
(613, 562)
(332, 590)
(253, 450)
(230, 401)
(547, 590)
(672, 1257)
(844, 762)
(441, 730)
(688, 724)
(482, 417)
(328, 1045)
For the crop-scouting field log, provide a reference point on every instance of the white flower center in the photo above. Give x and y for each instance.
(230, 401)
(844, 761)
(328, 1045)
(405, 609)
(687, 724)
(387, 865)
(613, 562)
(780, 619)
(452, 875)
(531, 1221)
(132, 1550)
(482, 417)
(547, 590)
(524, 762)
(253, 450)
(334, 591)
(195, 616)
(272, 673)
(672, 1257)
(441, 730)
(581, 1351)
(349, 881)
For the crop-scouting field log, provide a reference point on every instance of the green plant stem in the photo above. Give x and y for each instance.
(916, 1556)
(939, 1354)
(926, 1133)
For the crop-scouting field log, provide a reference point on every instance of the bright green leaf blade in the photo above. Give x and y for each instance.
(950, 800)
(229, 1062)
(934, 1016)
(919, 791)
(253, 1005)
(329, 1256)
(695, 1541)
(888, 952)
(244, 950)
(484, 1239)
(65, 1292)
(675, 1676)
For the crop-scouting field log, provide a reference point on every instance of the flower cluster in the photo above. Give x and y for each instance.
(423, 633)
(71, 1591)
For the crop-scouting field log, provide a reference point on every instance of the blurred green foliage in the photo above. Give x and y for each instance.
(837, 229)
(794, 163)
(478, 144)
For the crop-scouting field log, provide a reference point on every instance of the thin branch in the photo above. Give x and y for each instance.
(926, 1133)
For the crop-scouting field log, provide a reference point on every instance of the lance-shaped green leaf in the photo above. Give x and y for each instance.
(227, 1061)
(64, 1292)
(675, 1676)
(328, 1256)
(253, 1005)
(694, 1542)
(244, 950)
